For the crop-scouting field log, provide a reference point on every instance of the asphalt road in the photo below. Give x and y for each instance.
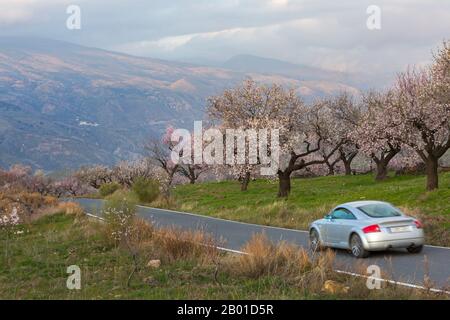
(398, 265)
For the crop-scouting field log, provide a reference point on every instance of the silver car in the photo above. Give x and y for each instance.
(364, 226)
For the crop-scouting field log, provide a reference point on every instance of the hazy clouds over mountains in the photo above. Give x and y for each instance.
(324, 34)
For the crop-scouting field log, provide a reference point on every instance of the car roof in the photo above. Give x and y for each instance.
(356, 204)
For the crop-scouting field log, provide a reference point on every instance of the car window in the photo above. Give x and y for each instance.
(380, 210)
(342, 213)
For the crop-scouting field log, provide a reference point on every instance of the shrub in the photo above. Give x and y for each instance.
(109, 188)
(147, 190)
(119, 212)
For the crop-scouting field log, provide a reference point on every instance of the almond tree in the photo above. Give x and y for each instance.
(39, 182)
(249, 107)
(127, 172)
(421, 117)
(345, 115)
(16, 176)
(330, 162)
(440, 75)
(192, 171)
(302, 141)
(68, 186)
(187, 167)
(302, 129)
(374, 134)
(94, 176)
(159, 153)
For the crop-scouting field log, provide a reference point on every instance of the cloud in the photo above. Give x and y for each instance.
(15, 11)
(321, 33)
(278, 3)
(244, 35)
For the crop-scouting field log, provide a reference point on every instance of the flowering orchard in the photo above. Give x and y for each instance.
(405, 126)
(410, 121)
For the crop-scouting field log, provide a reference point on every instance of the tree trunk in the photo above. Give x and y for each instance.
(330, 169)
(245, 181)
(192, 176)
(284, 187)
(381, 170)
(382, 163)
(348, 167)
(432, 173)
(347, 160)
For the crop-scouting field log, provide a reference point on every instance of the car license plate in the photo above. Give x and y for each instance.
(400, 229)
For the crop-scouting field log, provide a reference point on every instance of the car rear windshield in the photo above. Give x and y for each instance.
(380, 210)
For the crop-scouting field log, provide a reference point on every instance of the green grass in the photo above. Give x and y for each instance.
(312, 198)
(34, 267)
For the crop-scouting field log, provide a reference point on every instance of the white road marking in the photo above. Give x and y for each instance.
(94, 216)
(405, 284)
(438, 247)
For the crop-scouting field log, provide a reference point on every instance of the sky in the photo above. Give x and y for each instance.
(327, 34)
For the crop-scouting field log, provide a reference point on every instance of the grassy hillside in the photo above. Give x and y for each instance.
(35, 268)
(35, 262)
(313, 198)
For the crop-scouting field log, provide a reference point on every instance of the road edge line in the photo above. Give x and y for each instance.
(405, 284)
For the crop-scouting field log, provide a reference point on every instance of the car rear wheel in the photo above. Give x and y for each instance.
(314, 241)
(415, 249)
(357, 247)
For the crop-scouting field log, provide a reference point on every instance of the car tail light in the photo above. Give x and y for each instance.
(372, 228)
(418, 224)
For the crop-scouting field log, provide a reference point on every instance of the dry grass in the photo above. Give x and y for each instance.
(167, 244)
(28, 205)
(435, 227)
(294, 265)
(176, 244)
(264, 258)
(69, 208)
(142, 233)
(164, 202)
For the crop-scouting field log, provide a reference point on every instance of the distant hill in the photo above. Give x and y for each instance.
(63, 105)
(256, 64)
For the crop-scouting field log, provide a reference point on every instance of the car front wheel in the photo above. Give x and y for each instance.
(357, 247)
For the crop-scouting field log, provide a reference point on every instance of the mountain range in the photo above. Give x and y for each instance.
(64, 105)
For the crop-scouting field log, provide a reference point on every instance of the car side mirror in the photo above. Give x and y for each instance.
(328, 217)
